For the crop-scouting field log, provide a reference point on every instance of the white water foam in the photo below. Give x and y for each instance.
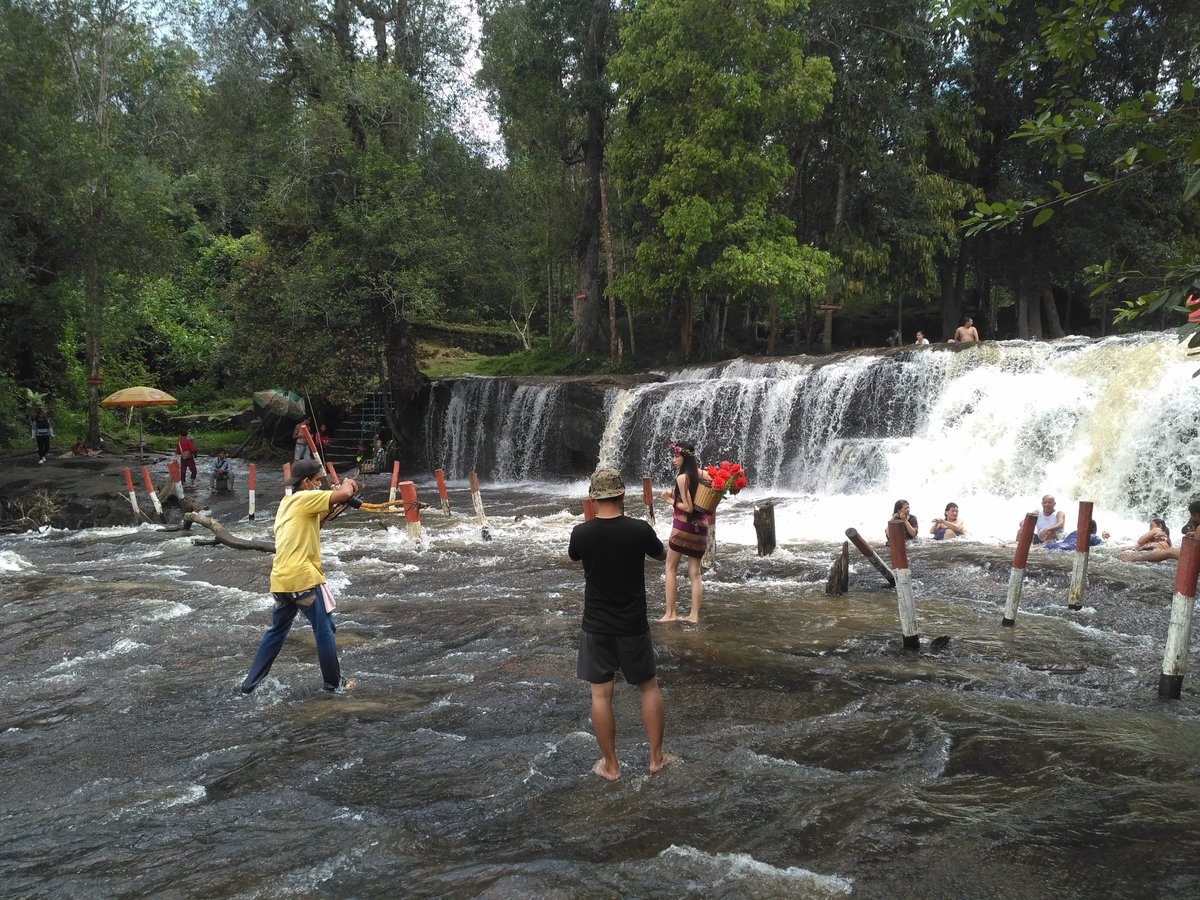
(719, 869)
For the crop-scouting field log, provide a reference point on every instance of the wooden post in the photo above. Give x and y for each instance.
(477, 501)
(441, 484)
(412, 510)
(869, 552)
(1175, 658)
(839, 573)
(764, 527)
(1083, 543)
(287, 473)
(589, 509)
(648, 499)
(333, 475)
(132, 496)
(395, 480)
(151, 491)
(904, 591)
(1016, 575)
(250, 494)
(173, 468)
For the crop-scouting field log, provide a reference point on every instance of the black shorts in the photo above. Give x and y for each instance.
(600, 655)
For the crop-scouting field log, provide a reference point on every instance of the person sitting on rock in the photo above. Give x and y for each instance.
(222, 472)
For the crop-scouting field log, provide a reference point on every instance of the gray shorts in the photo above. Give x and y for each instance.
(600, 655)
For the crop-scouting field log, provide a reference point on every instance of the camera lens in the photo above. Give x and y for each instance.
(355, 501)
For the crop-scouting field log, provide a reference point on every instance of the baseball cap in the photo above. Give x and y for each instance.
(305, 468)
(606, 484)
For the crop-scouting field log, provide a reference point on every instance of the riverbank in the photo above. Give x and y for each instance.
(89, 492)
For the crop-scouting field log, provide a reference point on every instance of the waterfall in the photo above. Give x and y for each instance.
(493, 426)
(1112, 420)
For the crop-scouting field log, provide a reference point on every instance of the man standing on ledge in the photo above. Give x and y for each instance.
(297, 583)
(616, 633)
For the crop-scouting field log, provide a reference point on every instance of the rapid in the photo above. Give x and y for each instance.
(818, 759)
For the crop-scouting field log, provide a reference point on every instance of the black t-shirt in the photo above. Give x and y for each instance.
(614, 554)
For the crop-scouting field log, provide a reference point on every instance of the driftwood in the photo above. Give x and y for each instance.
(221, 536)
(839, 573)
(764, 527)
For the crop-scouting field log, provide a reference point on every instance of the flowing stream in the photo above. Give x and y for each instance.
(818, 759)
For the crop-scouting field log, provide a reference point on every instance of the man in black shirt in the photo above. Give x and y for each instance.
(616, 634)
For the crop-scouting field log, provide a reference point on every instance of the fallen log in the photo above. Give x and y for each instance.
(224, 537)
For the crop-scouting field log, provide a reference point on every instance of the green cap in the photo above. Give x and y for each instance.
(606, 484)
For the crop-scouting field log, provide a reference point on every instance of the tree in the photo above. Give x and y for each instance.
(705, 90)
(1117, 127)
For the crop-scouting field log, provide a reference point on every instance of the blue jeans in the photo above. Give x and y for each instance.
(286, 607)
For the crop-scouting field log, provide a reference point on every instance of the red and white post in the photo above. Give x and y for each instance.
(287, 473)
(395, 481)
(250, 494)
(872, 557)
(904, 589)
(151, 491)
(1083, 543)
(132, 495)
(648, 499)
(412, 511)
(1174, 665)
(441, 484)
(477, 502)
(1016, 575)
(173, 468)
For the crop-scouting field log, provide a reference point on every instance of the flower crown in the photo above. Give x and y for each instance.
(681, 451)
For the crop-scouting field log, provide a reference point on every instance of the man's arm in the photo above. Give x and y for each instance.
(654, 547)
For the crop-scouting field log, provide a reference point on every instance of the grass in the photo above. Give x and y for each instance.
(439, 361)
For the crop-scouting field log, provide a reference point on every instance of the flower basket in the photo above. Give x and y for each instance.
(729, 478)
(706, 499)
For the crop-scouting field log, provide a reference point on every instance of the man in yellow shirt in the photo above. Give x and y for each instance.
(297, 583)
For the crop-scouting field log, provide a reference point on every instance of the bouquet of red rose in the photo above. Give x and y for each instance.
(728, 478)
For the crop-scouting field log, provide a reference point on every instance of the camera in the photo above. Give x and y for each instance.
(354, 501)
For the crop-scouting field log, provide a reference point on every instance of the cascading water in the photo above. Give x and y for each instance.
(991, 427)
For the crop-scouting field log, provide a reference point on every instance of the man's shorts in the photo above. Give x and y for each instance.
(600, 655)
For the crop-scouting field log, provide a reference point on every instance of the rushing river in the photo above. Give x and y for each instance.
(817, 758)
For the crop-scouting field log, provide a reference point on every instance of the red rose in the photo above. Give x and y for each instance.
(740, 483)
(718, 483)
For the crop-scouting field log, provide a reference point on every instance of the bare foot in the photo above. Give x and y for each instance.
(666, 618)
(601, 768)
(693, 619)
(667, 759)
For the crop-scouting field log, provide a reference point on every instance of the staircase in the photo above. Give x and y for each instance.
(358, 429)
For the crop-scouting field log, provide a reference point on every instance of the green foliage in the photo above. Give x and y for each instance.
(704, 90)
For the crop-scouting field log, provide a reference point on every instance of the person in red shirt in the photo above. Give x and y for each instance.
(186, 451)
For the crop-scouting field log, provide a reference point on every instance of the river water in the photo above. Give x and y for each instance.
(818, 759)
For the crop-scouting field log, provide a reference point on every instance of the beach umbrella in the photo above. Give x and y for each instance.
(137, 397)
(284, 403)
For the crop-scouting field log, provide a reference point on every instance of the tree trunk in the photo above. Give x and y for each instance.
(224, 537)
(1053, 326)
(589, 321)
(614, 353)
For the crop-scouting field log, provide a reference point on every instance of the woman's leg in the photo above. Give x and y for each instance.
(671, 588)
(697, 588)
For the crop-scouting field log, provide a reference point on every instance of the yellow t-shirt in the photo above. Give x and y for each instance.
(297, 565)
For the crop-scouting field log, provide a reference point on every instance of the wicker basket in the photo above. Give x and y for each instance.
(706, 499)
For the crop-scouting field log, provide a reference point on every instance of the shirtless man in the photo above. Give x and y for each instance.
(967, 333)
(1050, 522)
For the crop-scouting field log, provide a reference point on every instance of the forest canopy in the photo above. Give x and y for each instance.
(223, 196)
